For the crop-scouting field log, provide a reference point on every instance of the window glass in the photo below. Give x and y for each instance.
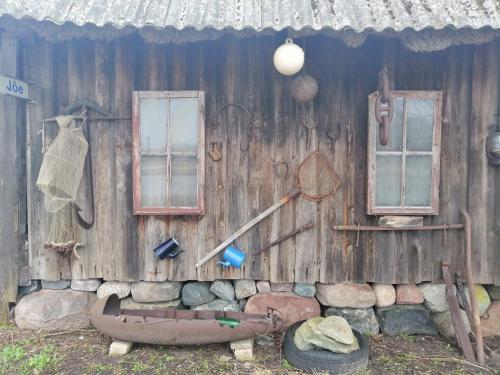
(154, 125)
(418, 180)
(395, 142)
(184, 190)
(154, 181)
(420, 123)
(184, 125)
(388, 180)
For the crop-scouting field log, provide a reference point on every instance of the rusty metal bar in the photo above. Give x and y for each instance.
(375, 228)
(285, 237)
(472, 288)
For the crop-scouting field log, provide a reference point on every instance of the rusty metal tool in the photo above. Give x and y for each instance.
(470, 285)
(285, 237)
(456, 318)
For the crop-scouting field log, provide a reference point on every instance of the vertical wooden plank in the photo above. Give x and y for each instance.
(80, 87)
(210, 55)
(261, 174)
(447, 245)
(127, 257)
(38, 68)
(306, 252)
(9, 181)
(278, 108)
(331, 100)
(237, 212)
(105, 166)
(192, 231)
(485, 87)
(152, 229)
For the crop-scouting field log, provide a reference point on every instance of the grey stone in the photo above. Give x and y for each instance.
(57, 284)
(120, 288)
(444, 324)
(482, 298)
(337, 328)
(150, 291)
(119, 348)
(219, 305)
(362, 320)
(303, 335)
(264, 340)
(385, 294)
(263, 286)
(494, 292)
(244, 288)
(197, 293)
(345, 295)
(434, 296)
(242, 344)
(242, 304)
(90, 285)
(223, 289)
(281, 287)
(129, 303)
(35, 286)
(54, 310)
(405, 319)
(310, 335)
(304, 290)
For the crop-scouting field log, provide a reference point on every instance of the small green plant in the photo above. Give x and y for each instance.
(140, 367)
(12, 353)
(45, 360)
(408, 338)
(287, 365)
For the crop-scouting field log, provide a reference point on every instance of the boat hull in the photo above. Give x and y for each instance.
(177, 327)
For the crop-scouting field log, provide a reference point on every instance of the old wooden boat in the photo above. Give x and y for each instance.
(179, 327)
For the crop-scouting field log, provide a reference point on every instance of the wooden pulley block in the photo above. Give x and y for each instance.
(215, 151)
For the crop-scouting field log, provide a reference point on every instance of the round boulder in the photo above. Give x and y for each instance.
(54, 310)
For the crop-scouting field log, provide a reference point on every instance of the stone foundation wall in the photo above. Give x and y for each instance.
(370, 309)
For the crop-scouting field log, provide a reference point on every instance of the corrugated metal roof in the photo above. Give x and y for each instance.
(358, 15)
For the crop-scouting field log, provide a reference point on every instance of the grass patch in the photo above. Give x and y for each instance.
(99, 368)
(46, 360)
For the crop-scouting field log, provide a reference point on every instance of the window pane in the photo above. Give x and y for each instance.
(395, 142)
(183, 186)
(154, 125)
(420, 122)
(418, 180)
(154, 181)
(388, 181)
(184, 125)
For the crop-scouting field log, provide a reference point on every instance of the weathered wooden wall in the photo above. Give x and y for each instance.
(244, 182)
(12, 180)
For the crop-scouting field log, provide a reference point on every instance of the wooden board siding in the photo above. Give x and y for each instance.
(10, 173)
(250, 175)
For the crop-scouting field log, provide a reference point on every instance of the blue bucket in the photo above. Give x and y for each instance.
(232, 257)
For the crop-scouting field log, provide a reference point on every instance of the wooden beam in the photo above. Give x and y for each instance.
(9, 181)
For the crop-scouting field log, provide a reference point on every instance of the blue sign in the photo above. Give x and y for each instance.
(14, 87)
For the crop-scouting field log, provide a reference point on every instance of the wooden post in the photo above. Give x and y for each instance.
(9, 182)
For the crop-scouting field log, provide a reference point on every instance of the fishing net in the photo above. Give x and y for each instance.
(62, 165)
(317, 179)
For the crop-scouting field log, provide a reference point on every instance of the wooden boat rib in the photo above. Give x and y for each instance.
(178, 327)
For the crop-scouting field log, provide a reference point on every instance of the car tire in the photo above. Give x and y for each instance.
(325, 360)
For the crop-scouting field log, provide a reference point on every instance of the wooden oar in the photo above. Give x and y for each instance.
(291, 195)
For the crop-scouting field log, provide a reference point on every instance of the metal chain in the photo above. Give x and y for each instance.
(384, 114)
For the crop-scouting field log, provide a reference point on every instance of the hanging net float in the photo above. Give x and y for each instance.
(62, 165)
